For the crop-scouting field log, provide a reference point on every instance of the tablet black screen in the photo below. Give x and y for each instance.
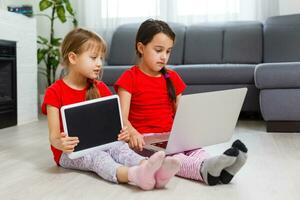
(94, 124)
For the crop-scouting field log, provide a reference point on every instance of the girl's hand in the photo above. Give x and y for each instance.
(124, 135)
(136, 141)
(67, 144)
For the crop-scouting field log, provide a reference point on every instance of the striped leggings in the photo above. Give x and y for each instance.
(191, 163)
(104, 163)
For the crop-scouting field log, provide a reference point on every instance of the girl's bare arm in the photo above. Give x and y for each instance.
(59, 139)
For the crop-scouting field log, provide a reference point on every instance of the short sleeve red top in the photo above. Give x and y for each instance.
(60, 94)
(151, 110)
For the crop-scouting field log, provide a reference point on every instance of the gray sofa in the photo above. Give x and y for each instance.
(278, 78)
(217, 56)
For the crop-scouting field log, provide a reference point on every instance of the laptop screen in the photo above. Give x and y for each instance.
(95, 123)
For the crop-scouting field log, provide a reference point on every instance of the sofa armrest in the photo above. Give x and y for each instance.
(277, 75)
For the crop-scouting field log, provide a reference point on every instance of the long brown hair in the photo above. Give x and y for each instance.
(145, 34)
(78, 41)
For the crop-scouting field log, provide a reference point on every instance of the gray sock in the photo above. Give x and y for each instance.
(211, 168)
(228, 173)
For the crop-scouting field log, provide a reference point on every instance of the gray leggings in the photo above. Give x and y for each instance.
(104, 163)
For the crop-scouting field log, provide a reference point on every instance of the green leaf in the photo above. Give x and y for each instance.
(75, 22)
(56, 52)
(53, 62)
(69, 7)
(56, 41)
(61, 13)
(44, 4)
(58, 1)
(42, 40)
(39, 42)
(42, 53)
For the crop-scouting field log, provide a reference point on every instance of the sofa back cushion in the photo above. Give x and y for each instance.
(231, 42)
(282, 39)
(122, 49)
(243, 42)
(203, 44)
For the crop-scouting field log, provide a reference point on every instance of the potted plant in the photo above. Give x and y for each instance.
(48, 50)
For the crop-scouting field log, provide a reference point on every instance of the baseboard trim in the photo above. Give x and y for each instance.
(283, 126)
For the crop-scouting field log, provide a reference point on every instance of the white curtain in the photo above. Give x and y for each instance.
(104, 16)
(258, 9)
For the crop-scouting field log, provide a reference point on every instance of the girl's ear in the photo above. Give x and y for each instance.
(140, 47)
(72, 58)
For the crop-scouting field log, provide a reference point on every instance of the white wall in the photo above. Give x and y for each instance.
(289, 7)
(43, 24)
(43, 28)
(15, 27)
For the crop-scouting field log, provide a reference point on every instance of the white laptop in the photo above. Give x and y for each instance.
(96, 123)
(201, 119)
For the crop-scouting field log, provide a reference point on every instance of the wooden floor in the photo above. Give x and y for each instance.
(28, 172)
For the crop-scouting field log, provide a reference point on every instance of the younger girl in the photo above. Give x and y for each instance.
(150, 94)
(82, 53)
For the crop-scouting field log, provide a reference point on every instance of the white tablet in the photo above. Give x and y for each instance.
(96, 123)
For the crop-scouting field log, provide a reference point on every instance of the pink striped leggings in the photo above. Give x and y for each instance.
(191, 163)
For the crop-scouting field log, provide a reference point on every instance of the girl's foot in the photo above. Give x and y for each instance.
(212, 167)
(228, 173)
(169, 168)
(143, 175)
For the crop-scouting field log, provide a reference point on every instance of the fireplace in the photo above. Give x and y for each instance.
(8, 84)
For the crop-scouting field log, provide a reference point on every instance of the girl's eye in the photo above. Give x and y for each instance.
(158, 50)
(93, 57)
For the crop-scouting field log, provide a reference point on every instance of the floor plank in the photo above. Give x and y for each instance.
(28, 172)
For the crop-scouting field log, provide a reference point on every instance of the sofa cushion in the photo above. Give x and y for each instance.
(277, 75)
(242, 42)
(216, 73)
(282, 39)
(280, 104)
(122, 49)
(112, 73)
(203, 44)
(176, 57)
(251, 103)
(231, 42)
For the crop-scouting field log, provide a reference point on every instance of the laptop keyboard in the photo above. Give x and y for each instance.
(161, 144)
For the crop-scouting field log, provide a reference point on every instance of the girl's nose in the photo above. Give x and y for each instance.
(99, 62)
(163, 57)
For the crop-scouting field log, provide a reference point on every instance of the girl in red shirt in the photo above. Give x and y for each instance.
(82, 54)
(150, 93)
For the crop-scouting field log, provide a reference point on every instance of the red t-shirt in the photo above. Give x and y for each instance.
(151, 110)
(60, 94)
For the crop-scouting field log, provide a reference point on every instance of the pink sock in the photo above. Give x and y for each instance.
(169, 168)
(143, 175)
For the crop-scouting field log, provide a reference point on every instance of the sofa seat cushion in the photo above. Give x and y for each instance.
(216, 73)
(277, 75)
(280, 104)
